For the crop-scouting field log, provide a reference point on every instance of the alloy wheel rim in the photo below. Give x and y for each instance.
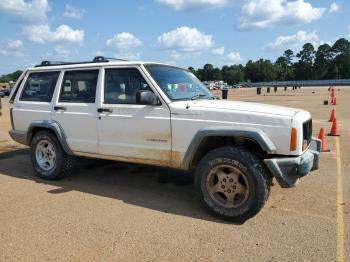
(45, 155)
(227, 186)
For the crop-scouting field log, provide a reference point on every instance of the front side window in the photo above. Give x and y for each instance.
(39, 87)
(122, 84)
(79, 86)
(178, 84)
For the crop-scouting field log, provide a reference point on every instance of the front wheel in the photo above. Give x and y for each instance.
(232, 183)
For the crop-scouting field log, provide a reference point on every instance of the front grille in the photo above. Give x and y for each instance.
(307, 131)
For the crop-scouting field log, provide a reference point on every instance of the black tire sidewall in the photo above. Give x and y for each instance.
(54, 172)
(240, 159)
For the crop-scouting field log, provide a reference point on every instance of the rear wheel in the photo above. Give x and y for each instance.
(48, 158)
(232, 183)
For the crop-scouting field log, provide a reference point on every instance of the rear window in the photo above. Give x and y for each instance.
(79, 86)
(39, 87)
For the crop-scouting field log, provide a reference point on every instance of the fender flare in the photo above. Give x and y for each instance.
(255, 134)
(51, 125)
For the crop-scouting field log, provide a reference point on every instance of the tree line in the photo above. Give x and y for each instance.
(10, 77)
(327, 62)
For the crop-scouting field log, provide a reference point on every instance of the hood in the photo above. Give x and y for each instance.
(239, 106)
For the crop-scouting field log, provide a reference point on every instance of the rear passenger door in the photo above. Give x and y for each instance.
(75, 109)
(33, 101)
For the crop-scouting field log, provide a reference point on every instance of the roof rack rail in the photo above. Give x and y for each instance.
(106, 59)
(97, 59)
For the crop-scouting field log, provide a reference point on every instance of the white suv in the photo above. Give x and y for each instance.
(161, 115)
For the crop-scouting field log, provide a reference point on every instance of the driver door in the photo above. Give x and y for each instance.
(127, 130)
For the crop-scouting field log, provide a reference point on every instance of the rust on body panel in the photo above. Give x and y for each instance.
(176, 159)
(155, 162)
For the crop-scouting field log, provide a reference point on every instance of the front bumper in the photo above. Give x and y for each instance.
(288, 170)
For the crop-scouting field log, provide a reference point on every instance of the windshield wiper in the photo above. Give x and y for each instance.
(198, 96)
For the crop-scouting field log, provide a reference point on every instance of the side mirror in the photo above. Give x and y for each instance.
(147, 98)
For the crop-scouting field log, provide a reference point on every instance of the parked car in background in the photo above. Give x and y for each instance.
(2, 93)
(6, 91)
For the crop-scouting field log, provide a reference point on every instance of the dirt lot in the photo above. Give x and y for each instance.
(118, 212)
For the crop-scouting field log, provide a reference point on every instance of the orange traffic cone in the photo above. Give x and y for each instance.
(323, 139)
(333, 115)
(334, 129)
(332, 92)
(334, 101)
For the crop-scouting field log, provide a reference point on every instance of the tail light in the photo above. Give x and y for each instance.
(293, 139)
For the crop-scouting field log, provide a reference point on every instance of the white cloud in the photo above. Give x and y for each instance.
(334, 7)
(62, 51)
(219, 51)
(195, 4)
(37, 27)
(233, 57)
(98, 53)
(13, 47)
(294, 41)
(30, 11)
(185, 39)
(267, 13)
(179, 55)
(127, 55)
(73, 12)
(123, 40)
(42, 34)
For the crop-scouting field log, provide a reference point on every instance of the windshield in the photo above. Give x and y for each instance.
(177, 83)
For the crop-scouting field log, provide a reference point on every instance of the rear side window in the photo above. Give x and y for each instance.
(39, 87)
(79, 86)
(16, 88)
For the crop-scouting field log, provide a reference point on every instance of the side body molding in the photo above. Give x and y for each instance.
(55, 127)
(255, 134)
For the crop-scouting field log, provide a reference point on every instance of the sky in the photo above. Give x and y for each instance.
(182, 32)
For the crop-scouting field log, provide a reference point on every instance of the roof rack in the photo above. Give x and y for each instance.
(106, 59)
(97, 59)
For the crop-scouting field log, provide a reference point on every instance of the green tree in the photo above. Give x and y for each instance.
(341, 58)
(10, 77)
(192, 70)
(323, 61)
(281, 68)
(260, 70)
(233, 74)
(288, 55)
(304, 67)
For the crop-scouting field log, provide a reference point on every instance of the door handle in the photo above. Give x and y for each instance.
(56, 108)
(104, 110)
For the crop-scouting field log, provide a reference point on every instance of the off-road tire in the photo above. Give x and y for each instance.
(64, 163)
(250, 166)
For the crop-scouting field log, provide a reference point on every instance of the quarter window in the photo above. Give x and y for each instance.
(122, 84)
(39, 87)
(79, 86)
